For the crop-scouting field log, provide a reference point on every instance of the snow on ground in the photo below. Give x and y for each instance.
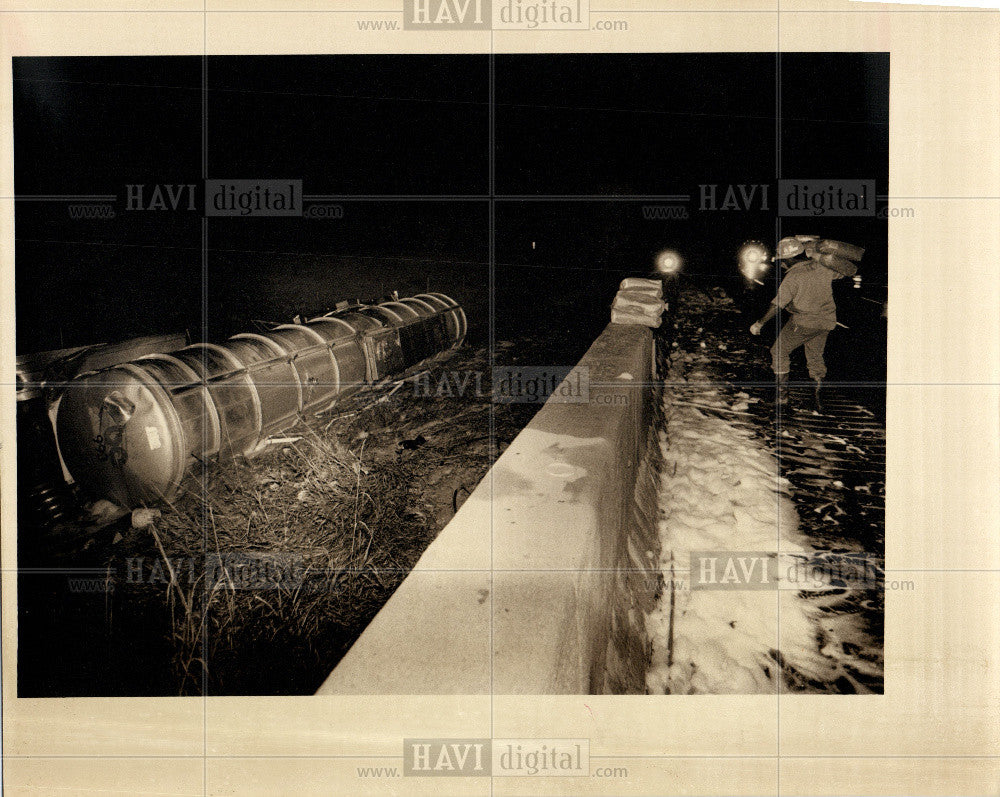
(723, 494)
(722, 491)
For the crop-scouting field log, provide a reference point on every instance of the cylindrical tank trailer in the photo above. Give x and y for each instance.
(132, 431)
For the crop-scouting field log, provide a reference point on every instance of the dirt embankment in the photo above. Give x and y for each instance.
(261, 575)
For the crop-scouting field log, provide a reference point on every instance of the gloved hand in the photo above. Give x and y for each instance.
(756, 328)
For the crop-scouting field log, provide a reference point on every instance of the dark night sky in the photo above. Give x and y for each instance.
(564, 124)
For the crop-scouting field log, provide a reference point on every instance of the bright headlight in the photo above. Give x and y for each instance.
(668, 262)
(754, 259)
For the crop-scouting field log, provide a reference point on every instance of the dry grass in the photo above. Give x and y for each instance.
(296, 537)
(313, 536)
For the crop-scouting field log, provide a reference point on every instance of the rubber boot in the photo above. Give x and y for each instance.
(819, 395)
(782, 397)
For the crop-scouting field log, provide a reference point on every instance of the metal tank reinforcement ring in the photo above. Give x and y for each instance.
(131, 432)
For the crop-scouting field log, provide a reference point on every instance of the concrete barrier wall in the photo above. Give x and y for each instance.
(539, 582)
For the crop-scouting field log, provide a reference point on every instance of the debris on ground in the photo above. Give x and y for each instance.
(738, 478)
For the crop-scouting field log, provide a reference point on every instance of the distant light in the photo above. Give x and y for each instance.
(754, 260)
(532, 244)
(668, 262)
(857, 281)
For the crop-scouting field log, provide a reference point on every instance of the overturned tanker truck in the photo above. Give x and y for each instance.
(132, 432)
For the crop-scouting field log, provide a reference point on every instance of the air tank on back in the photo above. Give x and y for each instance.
(133, 431)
